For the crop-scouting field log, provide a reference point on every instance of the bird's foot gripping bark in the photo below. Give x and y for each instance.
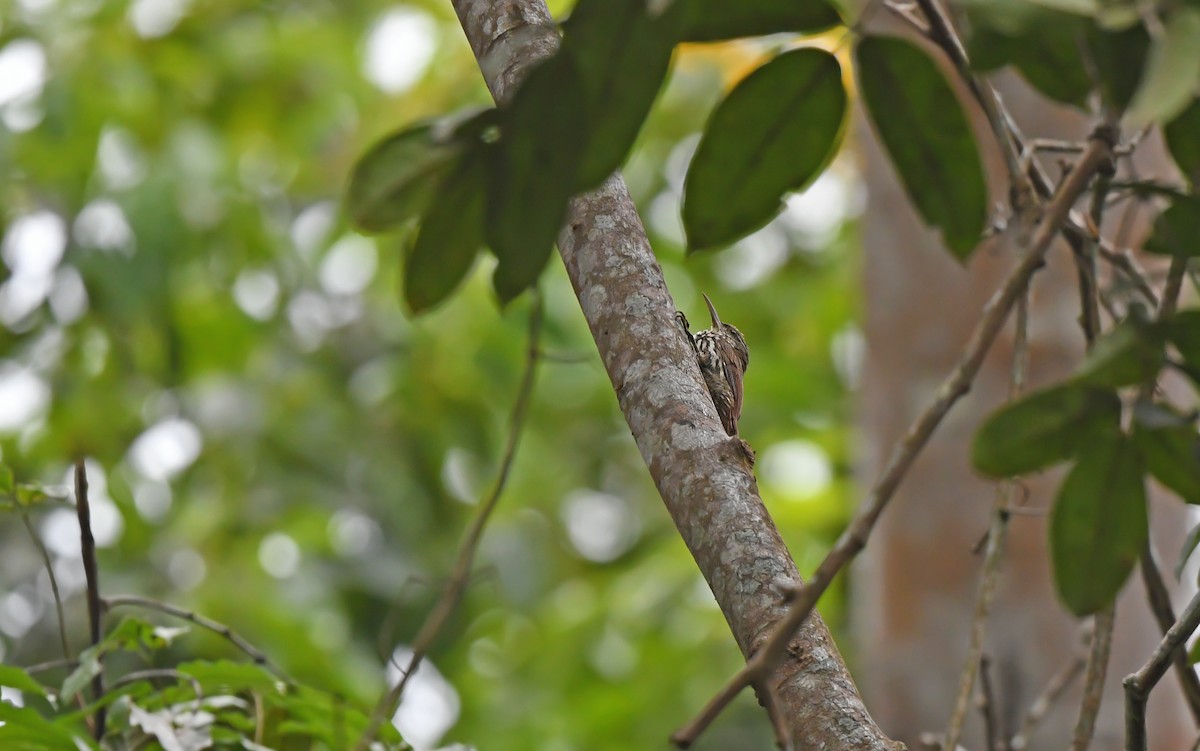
(746, 451)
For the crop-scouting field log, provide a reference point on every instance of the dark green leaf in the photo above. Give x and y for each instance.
(622, 51)
(1189, 546)
(1152, 189)
(1172, 455)
(773, 133)
(1172, 72)
(1183, 331)
(26, 730)
(1177, 230)
(394, 180)
(719, 19)
(15, 677)
(325, 717)
(1119, 57)
(31, 494)
(1044, 428)
(1042, 44)
(534, 172)
(1132, 352)
(1098, 525)
(6, 479)
(450, 235)
(1183, 139)
(923, 127)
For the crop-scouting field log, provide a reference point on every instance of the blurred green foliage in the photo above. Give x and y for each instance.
(274, 445)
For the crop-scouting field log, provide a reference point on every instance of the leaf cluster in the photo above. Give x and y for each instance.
(1098, 521)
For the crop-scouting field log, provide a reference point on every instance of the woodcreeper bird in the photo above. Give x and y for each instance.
(723, 356)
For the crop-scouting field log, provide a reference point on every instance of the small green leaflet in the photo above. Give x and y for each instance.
(1098, 525)
(923, 128)
(1043, 428)
(774, 133)
(80, 677)
(714, 20)
(450, 234)
(534, 172)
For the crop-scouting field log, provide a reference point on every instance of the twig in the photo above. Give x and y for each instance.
(41, 667)
(1164, 613)
(453, 591)
(1056, 145)
(987, 706)
(1123, 262)
(91, 573)
(175, 675)
(1160, 603)
(854, 539)
(1055, 687)
(997, 531)
(1085, 265)
(220, 629)
(1138, 685)
(1093, 679)
(905, 13)
(783, 735)
(1171, 290)
(58, 603)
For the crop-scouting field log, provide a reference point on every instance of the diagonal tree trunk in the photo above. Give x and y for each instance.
(709, 491)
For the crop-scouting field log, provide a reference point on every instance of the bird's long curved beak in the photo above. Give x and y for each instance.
(712, 311)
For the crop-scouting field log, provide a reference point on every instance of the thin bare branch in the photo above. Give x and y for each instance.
(1093, 679)
(455, 587)
(92, 575)
(987, 707)
(220, 629)
(58, 603)
(1042, 705)
(1138, 685)
(997, 533)
(1164, 613)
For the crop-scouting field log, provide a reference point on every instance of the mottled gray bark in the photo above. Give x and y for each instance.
(700, 472)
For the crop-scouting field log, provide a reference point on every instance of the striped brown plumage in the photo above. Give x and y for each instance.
(723, 357)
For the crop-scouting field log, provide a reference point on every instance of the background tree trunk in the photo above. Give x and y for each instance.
(915, 585)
